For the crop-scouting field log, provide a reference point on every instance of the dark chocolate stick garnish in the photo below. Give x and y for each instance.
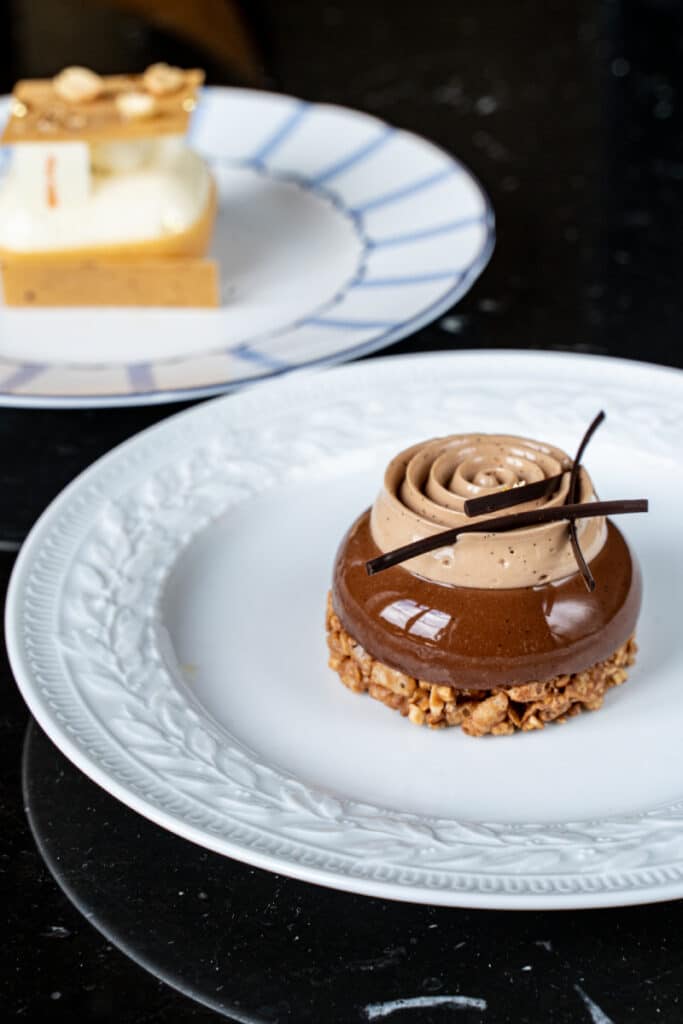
(573, 494)
(588, 577)
(579, 455)
(501, 524)
(498, 500)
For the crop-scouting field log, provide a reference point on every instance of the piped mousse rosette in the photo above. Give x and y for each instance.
(486, 588)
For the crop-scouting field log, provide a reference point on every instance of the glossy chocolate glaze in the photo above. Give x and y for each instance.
(483, 639)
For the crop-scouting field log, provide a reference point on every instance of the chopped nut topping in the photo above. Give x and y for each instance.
(77, 85)
(396, 682)
(478, 712)
(416, 715)
(163, 79)
(135, 106)
(46, 124)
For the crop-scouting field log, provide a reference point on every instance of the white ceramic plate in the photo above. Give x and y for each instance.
(165, 625)
(336, 235)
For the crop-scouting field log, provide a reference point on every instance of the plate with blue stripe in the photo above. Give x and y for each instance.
(336, 236)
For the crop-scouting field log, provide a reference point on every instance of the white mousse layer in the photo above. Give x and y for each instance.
(140, 191)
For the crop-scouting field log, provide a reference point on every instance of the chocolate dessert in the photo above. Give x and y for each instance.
(485, 588)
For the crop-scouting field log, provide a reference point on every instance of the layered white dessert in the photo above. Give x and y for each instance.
(101, 174)
(152, 192)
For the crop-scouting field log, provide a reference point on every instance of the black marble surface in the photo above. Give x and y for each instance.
(263, 948)
(571, 114)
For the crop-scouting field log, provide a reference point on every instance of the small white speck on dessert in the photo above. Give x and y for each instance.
(135, 106)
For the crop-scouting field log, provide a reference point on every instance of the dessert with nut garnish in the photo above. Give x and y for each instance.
(104, 203)
(485, 588)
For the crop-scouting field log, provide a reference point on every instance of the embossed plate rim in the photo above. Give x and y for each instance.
(49, 666)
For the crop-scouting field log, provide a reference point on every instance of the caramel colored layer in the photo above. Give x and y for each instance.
(477, 712)
(40, 115)
(166, 271)
(471, 638)
(161, 282)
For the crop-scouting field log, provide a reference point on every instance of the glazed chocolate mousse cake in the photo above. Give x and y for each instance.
(485, 588)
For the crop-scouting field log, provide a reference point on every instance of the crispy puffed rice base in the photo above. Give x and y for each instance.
(477, 712)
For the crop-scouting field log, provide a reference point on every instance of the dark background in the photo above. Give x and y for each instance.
(568, 111)
(571, 115)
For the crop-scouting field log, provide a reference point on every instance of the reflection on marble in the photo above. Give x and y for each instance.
(256, 947)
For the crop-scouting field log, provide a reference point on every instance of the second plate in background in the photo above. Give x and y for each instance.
(336, 236)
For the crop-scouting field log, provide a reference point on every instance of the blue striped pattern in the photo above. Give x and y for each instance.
(22, 375)
(352, 159)
(406, 190)
(418, 236)
(141, 376)
(252, 355)
(397, 282)
(348, 325)
(291, 122)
